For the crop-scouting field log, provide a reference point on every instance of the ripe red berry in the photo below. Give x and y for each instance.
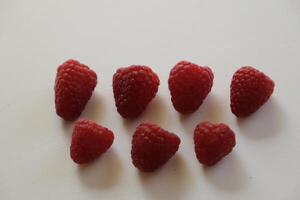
(74, 86)
(250, 89)
(89, 141)
(152, 147)
(189, 85)
(213, 142)
(134, 87)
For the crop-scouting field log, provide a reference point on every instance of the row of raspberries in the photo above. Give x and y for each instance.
(152, 146)
(134, 87)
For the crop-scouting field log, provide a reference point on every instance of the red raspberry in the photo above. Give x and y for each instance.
(152, 147)
(250, 89)
(89, 141)
(74, 86)
(189, 85)
(213, 142)
(134, 87)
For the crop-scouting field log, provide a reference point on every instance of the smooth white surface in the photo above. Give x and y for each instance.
(36, 36)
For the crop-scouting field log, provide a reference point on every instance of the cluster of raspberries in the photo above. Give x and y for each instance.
(134, 87)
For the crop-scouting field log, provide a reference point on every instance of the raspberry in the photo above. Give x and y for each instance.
(152, 147)
(189, 85)
(250, 89)
(134, 87)
(89, 141)
(74, 86)
(213, 142)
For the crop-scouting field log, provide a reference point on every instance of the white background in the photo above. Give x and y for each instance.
(36, 36)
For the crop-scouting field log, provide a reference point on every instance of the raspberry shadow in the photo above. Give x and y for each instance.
(95, 109)
(211, 110)
(170, 182)
(102, 173)
(155, 113)
(267, 122)
(228, 174)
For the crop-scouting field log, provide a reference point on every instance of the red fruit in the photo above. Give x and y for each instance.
(213, 142)
(152, 147)
(250, 89)
(74, 86)
(189, 85)
(89, 141)
(134, 87)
